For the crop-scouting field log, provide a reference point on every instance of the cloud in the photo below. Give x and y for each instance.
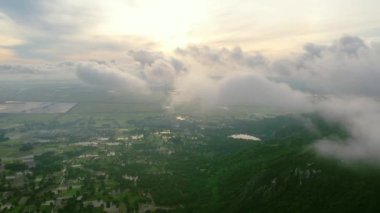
(108, 76)
(346, 73)
(60, 71)
(192, 88)
(55, 17)
(210, 56)
(158, 69)
(160, 73)
(237, 89)
(10, 35)
(253, 89)
(231, 77)
(145, 57)
(20, 69)
(346, 67)
(361, 118)
(55, 30)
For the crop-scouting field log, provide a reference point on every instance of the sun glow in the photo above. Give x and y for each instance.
(167, 22)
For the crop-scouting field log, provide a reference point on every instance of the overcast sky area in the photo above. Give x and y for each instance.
(40, 30)
(254, 52)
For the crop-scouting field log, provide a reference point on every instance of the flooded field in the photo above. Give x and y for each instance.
(34, 107)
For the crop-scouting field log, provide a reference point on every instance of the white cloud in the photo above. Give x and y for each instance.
(361, 117)
(193, 88)
(230, 57)
(253, 89)
(160, 73)
(347, 67)
(108, 76)
(237, 89)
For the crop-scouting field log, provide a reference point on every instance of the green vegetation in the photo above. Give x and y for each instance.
(119, 156)
(16, 166)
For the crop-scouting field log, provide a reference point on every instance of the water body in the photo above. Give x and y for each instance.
(244, 137)
(34, 107)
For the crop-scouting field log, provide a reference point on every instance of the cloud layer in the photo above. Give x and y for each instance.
(346, 73)
(349, 66)
(110, 77)
(361, 117)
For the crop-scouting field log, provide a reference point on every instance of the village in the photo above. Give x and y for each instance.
(109, 172)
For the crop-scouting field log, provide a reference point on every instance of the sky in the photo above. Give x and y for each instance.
(320, 56)
(46, 30)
